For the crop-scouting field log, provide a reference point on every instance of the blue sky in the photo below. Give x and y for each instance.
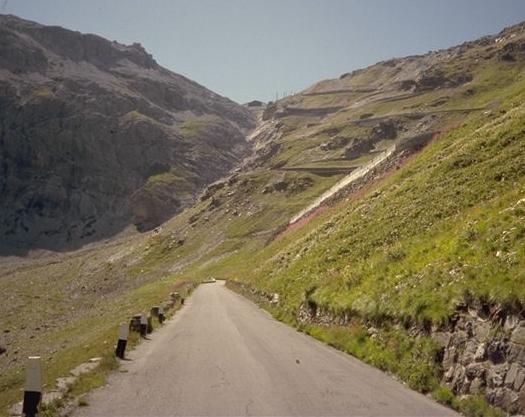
(247, 49)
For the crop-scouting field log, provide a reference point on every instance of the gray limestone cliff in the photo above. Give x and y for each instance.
(96, 136)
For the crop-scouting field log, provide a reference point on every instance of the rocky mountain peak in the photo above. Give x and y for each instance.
(95, 136)
(66, 44)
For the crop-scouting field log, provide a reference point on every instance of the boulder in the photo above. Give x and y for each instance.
(458, 380)
(449, 358)
(480, 353)
(475, 370)
(518, 335)
(511, 322)
(519, 381)
(449, 374)
(481, 330)
(521, 400)
(515, 377)
(477, 385)
(504, 398)
(496, 351)
(469, 354)
(496, 375)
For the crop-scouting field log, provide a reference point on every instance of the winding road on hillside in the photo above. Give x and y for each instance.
(223, 356)
(346, 181)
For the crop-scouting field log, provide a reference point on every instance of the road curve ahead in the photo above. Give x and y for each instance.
(223, 356)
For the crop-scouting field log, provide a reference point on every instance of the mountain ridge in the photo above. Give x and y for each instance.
(62, 86)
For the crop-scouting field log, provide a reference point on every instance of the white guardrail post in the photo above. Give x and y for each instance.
(33, 387)
(123, 332)
(143, 324)
(161, 314)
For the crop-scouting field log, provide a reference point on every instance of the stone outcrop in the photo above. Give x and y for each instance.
(482, 350)
(486, 356)
(432, 80)
(96, 136)
(512, 51)
(288, 185)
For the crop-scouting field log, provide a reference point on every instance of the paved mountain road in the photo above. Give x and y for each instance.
(223, 356)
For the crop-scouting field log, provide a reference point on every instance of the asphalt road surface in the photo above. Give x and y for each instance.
(223, 356)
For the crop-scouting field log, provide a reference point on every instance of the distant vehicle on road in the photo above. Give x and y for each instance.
(210, 280)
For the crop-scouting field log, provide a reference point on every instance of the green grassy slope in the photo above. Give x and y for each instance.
(448, 223)
(445, 229)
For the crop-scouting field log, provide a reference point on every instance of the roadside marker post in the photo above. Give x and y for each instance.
(143, 325)
(134, 324)
(150, 324)
(161, 314)
(123, 332)
(33, 387)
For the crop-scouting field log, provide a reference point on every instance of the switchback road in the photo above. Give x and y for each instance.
(223, 356)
